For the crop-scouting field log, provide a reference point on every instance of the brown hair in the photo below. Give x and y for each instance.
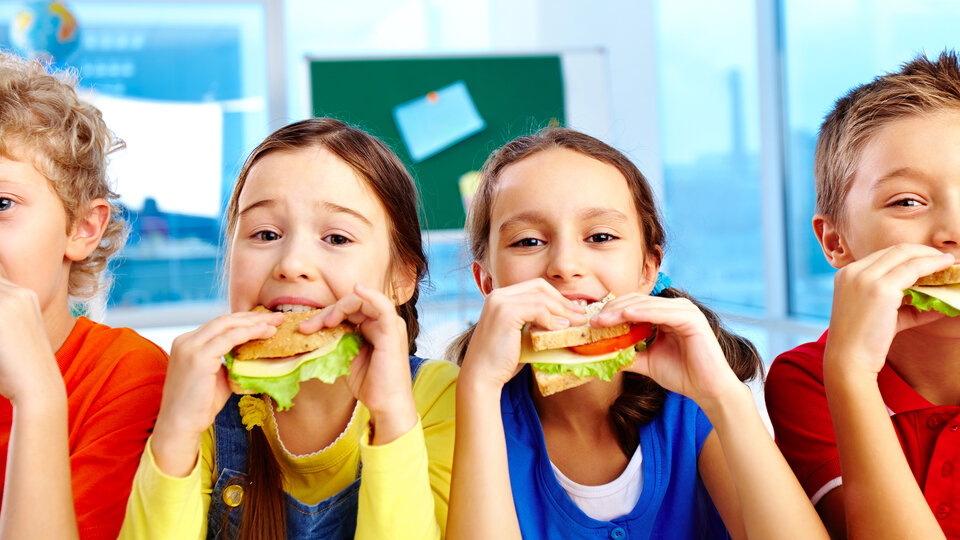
(921, 86)
(642, 398)
(393, 185)
(42, 119)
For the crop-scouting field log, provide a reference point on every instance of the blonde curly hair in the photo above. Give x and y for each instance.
(42, 119)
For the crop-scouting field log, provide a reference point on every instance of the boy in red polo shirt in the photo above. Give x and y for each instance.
(878, 396)
(79, 398)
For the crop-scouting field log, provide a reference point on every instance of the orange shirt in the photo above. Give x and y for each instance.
(114, 380)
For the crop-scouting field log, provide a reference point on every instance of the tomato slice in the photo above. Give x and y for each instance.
(638, 332)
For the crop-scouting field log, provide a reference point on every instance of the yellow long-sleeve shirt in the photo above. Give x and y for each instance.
(404, 485)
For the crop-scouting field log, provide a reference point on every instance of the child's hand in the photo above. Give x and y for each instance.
(28, 368)
(869, 307)
(685, 356)
(494, 350)
(196, 387)
(380, 373)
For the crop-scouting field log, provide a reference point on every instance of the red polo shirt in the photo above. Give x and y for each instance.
(929, 435)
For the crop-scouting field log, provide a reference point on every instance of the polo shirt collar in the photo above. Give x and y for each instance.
(899, 396)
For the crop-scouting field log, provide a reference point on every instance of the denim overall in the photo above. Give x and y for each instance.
(332, 518)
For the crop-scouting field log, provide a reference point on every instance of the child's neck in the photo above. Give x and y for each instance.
(579, 409)
(581, 441)
(58, 321)
(929, 364)
(319, 415)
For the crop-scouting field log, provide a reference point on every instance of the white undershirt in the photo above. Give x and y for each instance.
(607, 501)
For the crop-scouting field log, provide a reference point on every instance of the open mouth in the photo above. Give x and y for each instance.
(292, 308)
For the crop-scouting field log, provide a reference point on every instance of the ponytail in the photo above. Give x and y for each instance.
(457, 349)
(264, 508)
(408, 312)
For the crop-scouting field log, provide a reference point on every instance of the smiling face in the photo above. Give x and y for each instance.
(570, 219)
(906, 189)
(309, 229)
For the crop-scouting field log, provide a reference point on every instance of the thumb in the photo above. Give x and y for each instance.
(910, 317)
(641, 363)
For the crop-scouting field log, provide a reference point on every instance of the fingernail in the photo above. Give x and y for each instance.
(561, 322)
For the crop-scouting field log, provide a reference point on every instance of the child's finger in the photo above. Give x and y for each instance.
(534, 307)
(640, 364)
(554, 295)
(225, 323)
(910, 317)
(881, 263)
(638, 306)
(223, 343)
(908, 272)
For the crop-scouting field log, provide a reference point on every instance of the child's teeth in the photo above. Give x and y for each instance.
(293, 308)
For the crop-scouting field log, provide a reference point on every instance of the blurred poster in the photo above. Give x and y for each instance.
(436, 121)
(173, 154)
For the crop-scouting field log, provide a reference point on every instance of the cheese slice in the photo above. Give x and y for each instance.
(556, 356)
(278, 367)
(949, 294)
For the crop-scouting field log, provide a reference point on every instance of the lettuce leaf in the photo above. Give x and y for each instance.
(604, 370)
(925, 302)
(326, 368)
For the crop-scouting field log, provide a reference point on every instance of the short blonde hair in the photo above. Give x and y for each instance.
(42, 119)
(922, 86)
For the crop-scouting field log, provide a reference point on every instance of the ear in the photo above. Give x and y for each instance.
(403, 284)
(86, 232)
(651, 267)
(483, 279)
(832, 242)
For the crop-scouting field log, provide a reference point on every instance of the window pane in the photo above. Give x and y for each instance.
(709, 118)
(825, 56)
(184, 84)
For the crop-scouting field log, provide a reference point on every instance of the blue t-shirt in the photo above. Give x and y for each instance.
(673, 501)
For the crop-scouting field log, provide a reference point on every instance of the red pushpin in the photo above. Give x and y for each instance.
(433, 97)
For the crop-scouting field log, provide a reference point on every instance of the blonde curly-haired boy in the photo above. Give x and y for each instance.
(78, 398)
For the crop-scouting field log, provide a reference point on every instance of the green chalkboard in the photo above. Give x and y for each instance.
(514, 95)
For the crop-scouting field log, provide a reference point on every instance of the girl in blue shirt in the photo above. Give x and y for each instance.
(668, 447)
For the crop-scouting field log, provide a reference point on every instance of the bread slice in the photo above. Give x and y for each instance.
(947, 276)
(237, 389)
(288, 340)
(551, 383)
(577, 335)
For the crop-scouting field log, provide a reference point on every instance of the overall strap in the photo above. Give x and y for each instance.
(415, 363)
(230, 437)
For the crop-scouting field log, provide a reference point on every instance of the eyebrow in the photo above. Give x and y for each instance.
(899, 173)
(266, 203)
(535, 218)
(336, 208)
(328, 206)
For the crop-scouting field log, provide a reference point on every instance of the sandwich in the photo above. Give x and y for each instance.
(570, 357)
(939, 291)
(275, 366)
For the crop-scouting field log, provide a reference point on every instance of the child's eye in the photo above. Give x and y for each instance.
(601, 237)
(6, 204)
(527, 242)
(336, 239)
(907, 202)
(266, 236)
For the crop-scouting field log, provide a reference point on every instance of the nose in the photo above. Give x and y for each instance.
(946, 236)
(565, 260)
(296, 260)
